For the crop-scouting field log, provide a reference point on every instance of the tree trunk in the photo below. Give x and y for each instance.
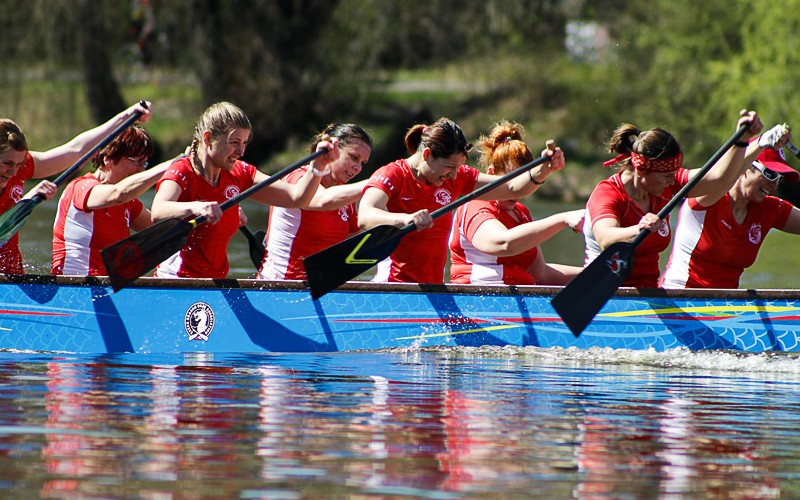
(102, 90)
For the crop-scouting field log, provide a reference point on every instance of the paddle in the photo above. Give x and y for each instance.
(255, 242)
(131, 257)
(583, 297)
(16, 216)
(795, 151)
(330, 268)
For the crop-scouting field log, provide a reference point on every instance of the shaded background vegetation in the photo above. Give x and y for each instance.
(295, 65)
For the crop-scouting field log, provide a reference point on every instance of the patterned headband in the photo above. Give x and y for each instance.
(645, 164)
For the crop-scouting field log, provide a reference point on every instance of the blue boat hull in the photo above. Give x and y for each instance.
(44, 313)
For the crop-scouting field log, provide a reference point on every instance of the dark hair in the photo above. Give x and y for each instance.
(444, 138)
(503, 148)
(11, 136)
(347, 133)
(654, 144)
(134, 142)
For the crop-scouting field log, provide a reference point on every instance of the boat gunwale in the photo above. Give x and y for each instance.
(369, 287)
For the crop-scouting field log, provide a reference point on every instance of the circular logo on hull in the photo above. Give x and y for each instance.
(199, 321)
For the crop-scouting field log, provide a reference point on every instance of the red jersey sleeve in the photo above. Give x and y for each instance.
(27, 171)
(475, 214)
(81, 190)
(177, 172)
(780, 210)
(388, 178)
(606, 202)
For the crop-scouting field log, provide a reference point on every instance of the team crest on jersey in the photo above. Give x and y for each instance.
(754, 234)
(442, 196)
(199, 321)
(16, 193)
(344, 214)
(231, 191)
(663, 228)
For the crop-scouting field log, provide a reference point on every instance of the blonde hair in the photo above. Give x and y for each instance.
(219, 119)
(503, 148)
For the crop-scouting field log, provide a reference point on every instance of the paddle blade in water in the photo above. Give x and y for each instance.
(130, 258)
(583, 297)
(15, 217)
(334, 266)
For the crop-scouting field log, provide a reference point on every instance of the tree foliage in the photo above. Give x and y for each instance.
(294, 65)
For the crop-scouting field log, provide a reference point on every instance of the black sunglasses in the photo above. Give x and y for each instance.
(768, 174)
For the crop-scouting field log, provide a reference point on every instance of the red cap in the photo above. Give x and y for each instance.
(774, 160)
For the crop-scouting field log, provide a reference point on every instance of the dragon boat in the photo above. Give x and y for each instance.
(84, 315)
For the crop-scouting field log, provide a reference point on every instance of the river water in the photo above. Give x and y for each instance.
(440, 424)
(413, 424)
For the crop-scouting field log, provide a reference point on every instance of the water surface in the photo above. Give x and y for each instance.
(447, 423)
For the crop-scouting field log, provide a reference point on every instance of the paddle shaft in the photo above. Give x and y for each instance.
(795, 151)
(14, 218)
(477, 193)
(583, 297)
(680, 195)
(329, 268)
(100, 145)
(266, 182)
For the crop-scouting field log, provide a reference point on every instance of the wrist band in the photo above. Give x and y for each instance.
(534, 181)
(317, 173)
(741, 144)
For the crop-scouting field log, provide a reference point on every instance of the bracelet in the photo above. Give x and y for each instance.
(534, 181)
(741, 144)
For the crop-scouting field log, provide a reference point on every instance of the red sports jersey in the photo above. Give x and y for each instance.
(711, 249)
(293, 234)
(80, 234)
(610, 200)
(470, 265)
(205, 255)
(421, 255)
(10, 256)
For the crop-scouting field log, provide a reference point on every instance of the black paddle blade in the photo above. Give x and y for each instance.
(257, 249)
(15, 217)
(583, 297)
(128, 259)
(255, 244)
(337, 264)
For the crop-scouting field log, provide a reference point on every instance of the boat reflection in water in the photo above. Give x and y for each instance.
(444, 423)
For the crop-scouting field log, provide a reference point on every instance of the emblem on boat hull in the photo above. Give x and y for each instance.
(199, 321)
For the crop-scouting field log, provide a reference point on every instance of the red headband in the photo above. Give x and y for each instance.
(645, 164)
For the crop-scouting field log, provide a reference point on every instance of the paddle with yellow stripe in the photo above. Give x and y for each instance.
(330, 268)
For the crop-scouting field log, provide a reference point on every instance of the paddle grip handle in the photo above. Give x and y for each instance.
(680, 195)
(791, 147)
(479, 192)
(100, 145)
